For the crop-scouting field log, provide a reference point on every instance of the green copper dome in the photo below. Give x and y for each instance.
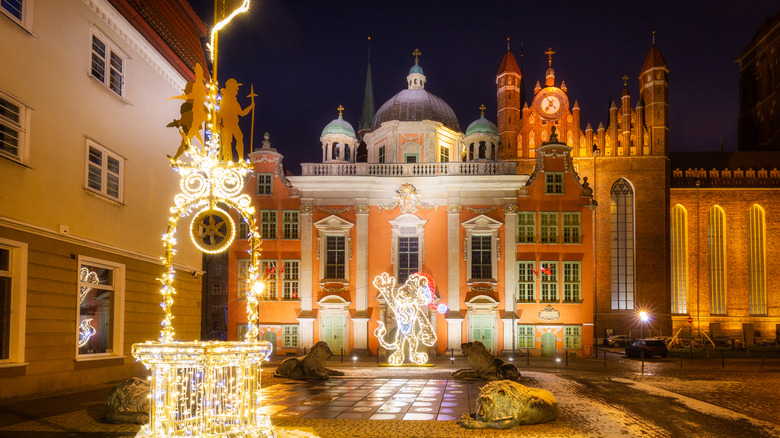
(339, 126)
(416, 69)
(482, 125)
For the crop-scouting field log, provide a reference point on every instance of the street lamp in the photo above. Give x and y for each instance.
(643, 316)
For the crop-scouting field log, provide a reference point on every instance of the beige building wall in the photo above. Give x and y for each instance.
(47, 210)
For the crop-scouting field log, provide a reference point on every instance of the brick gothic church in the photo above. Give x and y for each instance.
(539, 235)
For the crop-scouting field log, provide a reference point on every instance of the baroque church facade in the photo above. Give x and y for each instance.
(538, 235)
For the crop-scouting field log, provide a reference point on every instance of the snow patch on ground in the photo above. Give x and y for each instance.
(700, 406)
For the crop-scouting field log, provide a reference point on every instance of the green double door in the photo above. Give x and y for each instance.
(333, 332)
(482, 330)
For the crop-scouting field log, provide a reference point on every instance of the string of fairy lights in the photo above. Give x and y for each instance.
(208, 389)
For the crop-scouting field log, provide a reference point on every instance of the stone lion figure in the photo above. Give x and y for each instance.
(128, 402)
(309, 367)
(504, 404)
(484, 365)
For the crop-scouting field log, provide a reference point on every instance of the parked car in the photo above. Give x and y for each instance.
(651, 347)
(617, 341)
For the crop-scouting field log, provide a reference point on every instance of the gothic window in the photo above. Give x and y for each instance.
(757, 259)
(679, 244)
(716, 246)
(622, 245)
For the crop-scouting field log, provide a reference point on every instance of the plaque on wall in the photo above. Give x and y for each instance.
(549, 314)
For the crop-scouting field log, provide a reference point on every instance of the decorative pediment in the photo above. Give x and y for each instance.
(334, 302)
(334, 223)
(482, 223)
(408, 199)
(482, 302)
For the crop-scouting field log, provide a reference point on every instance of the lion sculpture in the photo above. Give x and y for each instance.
(308, 367)
(503, 405)
(484, 365)
(128, 402)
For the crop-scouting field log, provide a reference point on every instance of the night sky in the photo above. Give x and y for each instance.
(307, 57)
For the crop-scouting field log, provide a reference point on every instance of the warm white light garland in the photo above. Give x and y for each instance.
(413, 325)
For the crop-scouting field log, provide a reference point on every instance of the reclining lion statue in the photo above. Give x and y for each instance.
(128, 402)
(309, 367)
(484, 365)
(503, 405)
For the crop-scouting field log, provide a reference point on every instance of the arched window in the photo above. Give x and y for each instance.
(482, 149)
(679, 236)
(346, 152)
(716, 246)
(757, 259)
(622, 244)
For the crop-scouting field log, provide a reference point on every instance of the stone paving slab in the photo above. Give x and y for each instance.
(374, 399)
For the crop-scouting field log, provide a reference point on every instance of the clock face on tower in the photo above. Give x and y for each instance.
(551, 103)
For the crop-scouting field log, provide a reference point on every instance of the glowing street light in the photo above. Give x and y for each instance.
(644, 317)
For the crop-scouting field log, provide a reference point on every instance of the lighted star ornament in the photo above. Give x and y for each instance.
(413, 326)
(208, 389)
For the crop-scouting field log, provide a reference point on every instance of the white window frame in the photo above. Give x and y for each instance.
(270, 280)
(545, 227)
(526, 337)
(572, 337)
(523, 228)
(111, 49)
(269, 184)
(407, 225)
(105, 155)
(572, 281)
(544, 280)
(291, 278)
(118, 316)
(334, 226)
(572, 227)
(289, 334)
(22, 128)
(551, 186)
(267, 225)
(444, 154)
(291, 229)
(482, 226)
(18, 309)
(26, 19)
(242, 275)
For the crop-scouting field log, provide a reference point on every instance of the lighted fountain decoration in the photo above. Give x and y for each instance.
(208, 389)
(413, 325)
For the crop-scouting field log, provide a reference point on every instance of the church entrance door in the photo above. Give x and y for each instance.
(548, 345)
(482, 330)
(333, 332)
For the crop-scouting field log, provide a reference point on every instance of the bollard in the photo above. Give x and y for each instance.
(342, 354)
(567, 357)
(377, 355)
(452, 355)
(722, 359)
(528, 357)
(642, 355)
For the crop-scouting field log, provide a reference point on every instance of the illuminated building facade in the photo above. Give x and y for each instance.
(511, 253)
(86, 186)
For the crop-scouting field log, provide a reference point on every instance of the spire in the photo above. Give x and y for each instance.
(367, 115)
(654, 58)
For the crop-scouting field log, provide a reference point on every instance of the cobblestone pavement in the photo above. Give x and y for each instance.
(664, 399)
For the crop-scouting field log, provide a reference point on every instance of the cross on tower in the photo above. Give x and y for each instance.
(416, 54)
(550, 52)
(625, 80)
(340, 109)
(482, 108)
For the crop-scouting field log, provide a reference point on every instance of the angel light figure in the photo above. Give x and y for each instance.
(413, 325)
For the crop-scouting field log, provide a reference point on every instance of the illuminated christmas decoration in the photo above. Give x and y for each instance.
(207, 389)
(413, 326)
(86, 331)
(87, 276)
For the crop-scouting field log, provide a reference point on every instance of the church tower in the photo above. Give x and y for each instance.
(654, 86)
(508, 82)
